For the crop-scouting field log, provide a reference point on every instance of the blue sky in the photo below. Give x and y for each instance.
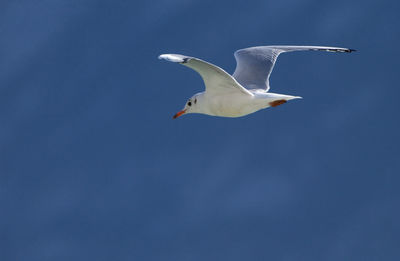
(92, 166)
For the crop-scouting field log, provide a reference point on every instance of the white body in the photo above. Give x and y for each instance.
(236, 104)
(244, 92)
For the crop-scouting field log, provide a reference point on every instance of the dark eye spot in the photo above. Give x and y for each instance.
(190, 103)
(195, 101)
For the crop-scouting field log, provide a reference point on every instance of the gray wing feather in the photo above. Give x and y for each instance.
(216, 80)
(254, 65)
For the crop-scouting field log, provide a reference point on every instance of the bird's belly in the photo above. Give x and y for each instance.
(234, 106)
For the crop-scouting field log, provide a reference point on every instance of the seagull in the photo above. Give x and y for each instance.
(244, 92)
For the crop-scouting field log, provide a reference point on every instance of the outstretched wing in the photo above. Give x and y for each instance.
(216, 80)
(254, 64)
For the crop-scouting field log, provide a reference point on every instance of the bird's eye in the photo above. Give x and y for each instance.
(189, 103)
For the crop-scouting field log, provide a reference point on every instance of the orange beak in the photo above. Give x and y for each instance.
(179, 113)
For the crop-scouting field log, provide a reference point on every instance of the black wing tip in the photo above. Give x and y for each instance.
(337, 50)
(185, 60)
(176, 58)
(342, 50)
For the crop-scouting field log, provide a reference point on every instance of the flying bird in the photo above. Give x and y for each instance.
(244, 92)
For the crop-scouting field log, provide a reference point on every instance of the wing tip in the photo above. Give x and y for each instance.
(339, 50)
(346, 50)
(175, 58)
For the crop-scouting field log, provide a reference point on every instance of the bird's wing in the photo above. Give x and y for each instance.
(216, 80)
(254, 64)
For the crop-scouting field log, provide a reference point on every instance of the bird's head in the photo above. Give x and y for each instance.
(191, 106)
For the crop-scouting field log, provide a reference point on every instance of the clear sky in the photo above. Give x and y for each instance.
(93, 167)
